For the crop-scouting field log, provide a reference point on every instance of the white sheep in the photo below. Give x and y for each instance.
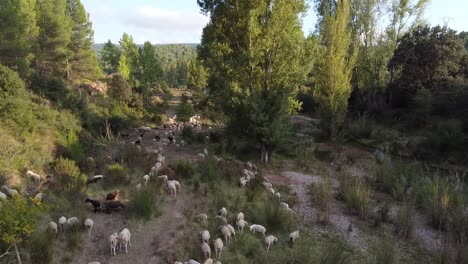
(73, 221)
(232, 230)
(278, 195)
(52, 226)
(294, 236)
(205, 151)
(201, 155)
(226, 233)
(182, 143)
(94, 262)
(206, 250)
(285, 205)
(249, 165)
(124, 239)
(223, 211)
(138, 187)
(203, 218)
(208, 261)
(114, 241)
(205, 236)
(34, 176)
(241, 223)
(269, 240)
(3, 196)
(39, 196)
(10, 192)
(172, 188)
(267, 185)
(88, 223)
(258, 229)
(146, 179)
(218, 247)
(192, 262)
(271, 190)
(240, 216)
(164, 178)
(62, 221)
(243, 182)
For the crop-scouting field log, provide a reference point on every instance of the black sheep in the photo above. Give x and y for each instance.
(96, 204)
(113, 205)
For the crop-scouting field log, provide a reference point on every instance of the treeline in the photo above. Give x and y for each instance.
(404, 75)
(171, 59)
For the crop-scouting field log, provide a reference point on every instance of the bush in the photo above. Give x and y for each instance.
(446, 136)
(324, 195)
(404, 222)
(356, 194)
(10, 83)
(69, 174)
(360, 128)
(184, 169)
(74, 148)
(119, 89)
(395, 178)
(40, 247)
(116, 174)
(384, 251)
(144, 205)
(184, 112)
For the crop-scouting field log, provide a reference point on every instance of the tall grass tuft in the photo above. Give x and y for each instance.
(404, 221)
(323, 193)
(116, 174)
(356, 194)
(144, 205)
(384, 251)
(184, 169)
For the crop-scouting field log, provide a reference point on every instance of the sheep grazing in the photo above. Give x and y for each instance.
(62, 221)
(39, 196)
(294, 236)
(243, 182)
(94, 179)
(95, 203)
(249, 165)
(201, 155)
(172, 188)
(3, 196)
(223, 211)
(182, 143)
(222, 219)
(9, 192)
(112, 195)
(205, 235)
(94, 262)
(226, 233)
(114, 241)
(88, 223)
(270, 190)
(205, 151)
(278, 195)
(202, 218)
(240, 216)
(285, 205)
(232, 230)
(124, 239)
(52, 226)
(146, 179)
(34, 176)
(267, 185)
(138, 186)
(258, 229)
(192, 262)
(113, 205)
(208, 261)
(241, 223)
(164, 178)
(218, 247)
(269, 240)
(206, 250)
(73, 221)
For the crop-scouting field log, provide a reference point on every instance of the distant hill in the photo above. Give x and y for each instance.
(98, 46)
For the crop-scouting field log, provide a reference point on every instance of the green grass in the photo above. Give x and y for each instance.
(355, 192)
(323, 194)
(144, 205)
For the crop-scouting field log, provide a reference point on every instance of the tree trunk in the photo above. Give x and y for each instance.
(17, 255)
(265, 157)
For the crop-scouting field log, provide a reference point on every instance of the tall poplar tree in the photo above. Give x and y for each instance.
(110, 56)
(130, 52)
(83, 62)
(151, 72)
(18, 32)
(333, 81)
(254, 52)
(55, 28)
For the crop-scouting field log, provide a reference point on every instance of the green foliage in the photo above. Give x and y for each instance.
(395, 178)
(404, 222)
(18, 220)
(74, 148)
(333, 86)
(151, 72)
(384, 251)
(116, 174)
(356, 194)
(10, 83)
(197, 77)
(110, 57)
(119, 89)
(446, 136)
(17, 34)
(323, 193)
(124, 67)
(361, 128)
(128, 64)
(184, 169)
(423, 104)
(184, 112)
(69, 175)
(144, 204)
(41, 245)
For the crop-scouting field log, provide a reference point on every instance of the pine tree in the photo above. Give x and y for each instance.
(254, 52)
(124, 67)
(18, 32)
(110, 56)
(130, 51)
(197, 76)
(83, 63)
(333, 84)
(55, 28)
(151, 72)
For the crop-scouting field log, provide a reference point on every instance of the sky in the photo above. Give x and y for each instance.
(180, 21)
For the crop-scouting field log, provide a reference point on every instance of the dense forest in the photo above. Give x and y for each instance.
(372, 78)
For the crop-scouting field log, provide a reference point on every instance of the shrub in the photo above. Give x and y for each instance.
(209, 170)
(183, 169)
(40, 247)
(360, 128)
(116, 174)
(10, 83)
(384, 251)
(69, 174)
(119, 89)
(324, 195)
(184, 112)
(404, 221)
(144, 205)
(74, 148)
(446, 136)
(356, 194)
